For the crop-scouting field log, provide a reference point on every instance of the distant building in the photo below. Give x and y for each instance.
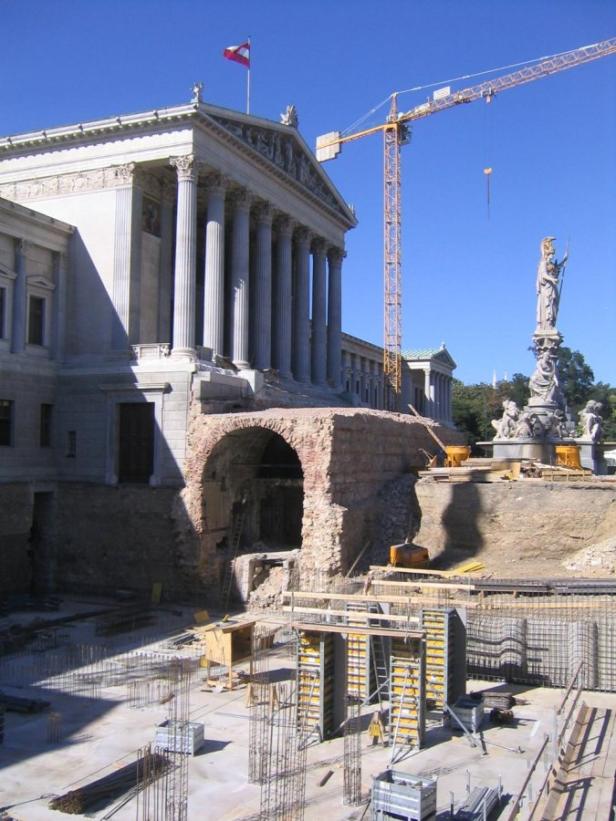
(427, 376)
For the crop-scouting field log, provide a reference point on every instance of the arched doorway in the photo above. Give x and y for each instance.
(253, 499)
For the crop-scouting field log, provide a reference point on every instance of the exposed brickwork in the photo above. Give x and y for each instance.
(347, 455)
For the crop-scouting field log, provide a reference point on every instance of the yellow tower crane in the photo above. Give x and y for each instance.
(395, 134)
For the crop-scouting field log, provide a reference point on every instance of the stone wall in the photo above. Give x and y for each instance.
(347, 456)
(15, 525)
(116, 537)
(529, 527)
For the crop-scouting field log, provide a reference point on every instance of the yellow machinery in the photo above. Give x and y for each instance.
(408, 555)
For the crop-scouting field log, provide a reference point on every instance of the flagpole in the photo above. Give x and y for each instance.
(248, 78)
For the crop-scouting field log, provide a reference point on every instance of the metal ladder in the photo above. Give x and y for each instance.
(380, 666)
(235, 537)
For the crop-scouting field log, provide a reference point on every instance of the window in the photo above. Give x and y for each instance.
(6, 422)
(46, 415)
(3, 303)
(71, 444)
(36, 320)
(136, 441)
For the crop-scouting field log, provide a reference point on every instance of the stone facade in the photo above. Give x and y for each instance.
(427, 377)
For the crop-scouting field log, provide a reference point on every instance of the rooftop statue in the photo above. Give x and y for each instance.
(289, 116)
(549, 284)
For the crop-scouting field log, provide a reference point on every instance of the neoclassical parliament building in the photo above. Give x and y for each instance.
(151, 260)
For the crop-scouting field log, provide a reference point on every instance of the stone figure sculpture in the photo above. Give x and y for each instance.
(591, 421)
(548, 285)
(529, 426)
(543, 383)
(289, 116)
(506, 426)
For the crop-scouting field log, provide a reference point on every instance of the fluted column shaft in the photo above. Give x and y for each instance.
(334, 316)
(263, 289)
(319, 307)
(214, 275)
(301, 324)
(283, 298)
(185, 256)
(240, 257)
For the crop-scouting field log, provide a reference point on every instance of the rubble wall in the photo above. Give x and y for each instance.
(528, 527)
(347, 456)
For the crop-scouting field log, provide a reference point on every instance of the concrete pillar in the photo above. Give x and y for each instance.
(263, 289)
(214, 273)
(319, 303)
(301, 325)
(185, 257)
(165, 279)
(240, 273)
(283, 298)
(334, 315)
(20, 299)
(125, 290)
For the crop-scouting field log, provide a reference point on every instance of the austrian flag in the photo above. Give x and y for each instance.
(239, 54)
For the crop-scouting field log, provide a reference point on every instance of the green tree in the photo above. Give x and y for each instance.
(576, 378)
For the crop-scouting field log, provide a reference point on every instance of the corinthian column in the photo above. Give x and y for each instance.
(214, 276)
(240, 255)
(20, 298)
(263, 289)
(334, 316)
(283, 297)
(185, 256)
(319, 300)
(301, 324)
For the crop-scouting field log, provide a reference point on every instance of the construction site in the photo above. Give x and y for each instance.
(252, 571)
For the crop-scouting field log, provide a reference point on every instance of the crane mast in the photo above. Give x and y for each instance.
(392, 269)
(395, 135)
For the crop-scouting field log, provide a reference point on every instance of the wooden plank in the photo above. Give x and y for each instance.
(389, 568)
(351, 614)
(353, 629)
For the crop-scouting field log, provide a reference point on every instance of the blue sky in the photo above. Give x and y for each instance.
(468, 279)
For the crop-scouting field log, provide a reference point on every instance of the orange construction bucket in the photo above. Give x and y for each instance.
(456, 454)
(568, 456)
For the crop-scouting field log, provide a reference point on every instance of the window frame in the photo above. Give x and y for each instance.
(10, 403)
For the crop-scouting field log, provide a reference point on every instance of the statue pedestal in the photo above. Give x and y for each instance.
(524, 449)
(591, 456)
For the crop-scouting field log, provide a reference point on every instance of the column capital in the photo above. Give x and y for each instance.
(125, 174)
(186, 167)
(216, 183)
(241, 199)
(319, 246)
(264, 213)
(303, 236)
(335, 254)
(284, 225)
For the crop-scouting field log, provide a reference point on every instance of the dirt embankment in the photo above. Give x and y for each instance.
(518, 529)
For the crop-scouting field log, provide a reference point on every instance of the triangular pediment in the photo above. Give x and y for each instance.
(285, 149)
(445, 357)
